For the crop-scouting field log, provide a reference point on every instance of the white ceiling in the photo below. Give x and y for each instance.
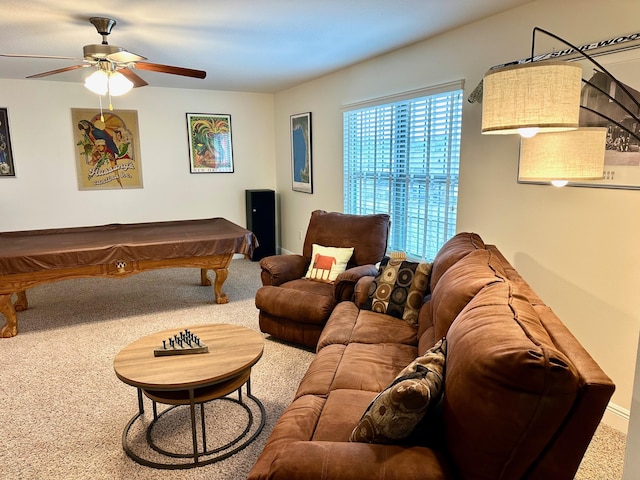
(243, 45)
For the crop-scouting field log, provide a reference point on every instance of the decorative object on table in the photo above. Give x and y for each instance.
(182, 343)
(210, 145)
(509, 96)
(301, 161)
(107, 151)
(6, 156)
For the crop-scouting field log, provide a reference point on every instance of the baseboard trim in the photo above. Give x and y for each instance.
(616, 417)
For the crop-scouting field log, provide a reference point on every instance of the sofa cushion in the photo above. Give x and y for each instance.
(398, 409)
(373, 327)
(339, 326)
(319, 376)
(341, 412)
(508, 387)
(348, 324)
(399, 289)
(371, 367)
(328, 262)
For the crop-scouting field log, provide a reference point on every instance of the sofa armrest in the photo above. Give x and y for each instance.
(278, 269)
(345, 283)
(361, 290)
(354, 461)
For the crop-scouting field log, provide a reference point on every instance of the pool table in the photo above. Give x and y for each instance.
(33, 257)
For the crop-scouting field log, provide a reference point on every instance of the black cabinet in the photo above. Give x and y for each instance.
(261, 220)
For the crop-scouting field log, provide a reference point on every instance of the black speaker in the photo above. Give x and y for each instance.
(261, 220)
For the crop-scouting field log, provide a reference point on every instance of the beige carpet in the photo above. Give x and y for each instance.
(63, 409)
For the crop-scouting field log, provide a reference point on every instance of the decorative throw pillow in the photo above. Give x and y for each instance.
(399, 289)
(399, 408)
(328, 262)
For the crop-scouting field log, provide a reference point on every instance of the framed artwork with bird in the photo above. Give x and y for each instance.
(107, 149)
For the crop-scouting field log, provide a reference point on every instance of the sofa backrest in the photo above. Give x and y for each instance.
(522, 397)
(563, 454)
(367, 234)
(456, 286)
(457, 247)
(508, 387)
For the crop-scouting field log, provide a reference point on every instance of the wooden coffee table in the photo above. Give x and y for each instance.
(189, 380)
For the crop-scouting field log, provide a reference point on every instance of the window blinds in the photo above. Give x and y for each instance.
(402, 158)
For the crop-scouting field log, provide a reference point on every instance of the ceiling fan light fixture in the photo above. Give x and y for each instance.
(119, 84)
(102, 82)
(97, 82)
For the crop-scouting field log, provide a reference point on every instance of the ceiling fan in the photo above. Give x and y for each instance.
(111, 58)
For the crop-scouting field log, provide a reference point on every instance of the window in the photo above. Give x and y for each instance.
(402, 158)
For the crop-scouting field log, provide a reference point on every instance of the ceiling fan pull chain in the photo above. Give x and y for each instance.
(101, 115)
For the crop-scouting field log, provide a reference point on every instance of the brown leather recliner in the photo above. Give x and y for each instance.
(295, 309)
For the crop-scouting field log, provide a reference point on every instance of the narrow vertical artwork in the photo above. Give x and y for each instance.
(301, 162)
(6, 156)
(107, 149)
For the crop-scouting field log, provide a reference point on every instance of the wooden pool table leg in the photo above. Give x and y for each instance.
(6, 308)
(21, 303)
(221, 276)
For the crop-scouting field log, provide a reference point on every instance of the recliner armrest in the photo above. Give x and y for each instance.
(345, 283)
(278, 269)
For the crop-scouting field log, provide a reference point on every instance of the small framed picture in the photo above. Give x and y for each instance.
(301, 162)
(6, 156)
(210, 146)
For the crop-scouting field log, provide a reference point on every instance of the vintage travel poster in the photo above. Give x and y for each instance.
(210, 146)
(107, 149)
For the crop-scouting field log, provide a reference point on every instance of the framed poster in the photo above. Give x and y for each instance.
(6, 156)
(107, 149)
(301, 161)
(210, 145)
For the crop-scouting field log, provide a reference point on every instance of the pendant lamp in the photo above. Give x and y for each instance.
(531, 97)
(560, 157)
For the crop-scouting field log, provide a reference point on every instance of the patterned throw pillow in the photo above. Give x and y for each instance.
(328, 262)
(399, 289)
(398, 409)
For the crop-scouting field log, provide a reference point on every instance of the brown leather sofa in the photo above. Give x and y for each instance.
(522, 398)
(295, 309)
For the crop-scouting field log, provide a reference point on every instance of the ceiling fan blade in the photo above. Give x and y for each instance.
(125, 57)
(18, 55)
(59, 70)
(156, 67)
(137, 81)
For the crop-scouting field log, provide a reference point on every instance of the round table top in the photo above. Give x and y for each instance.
(232, 350)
